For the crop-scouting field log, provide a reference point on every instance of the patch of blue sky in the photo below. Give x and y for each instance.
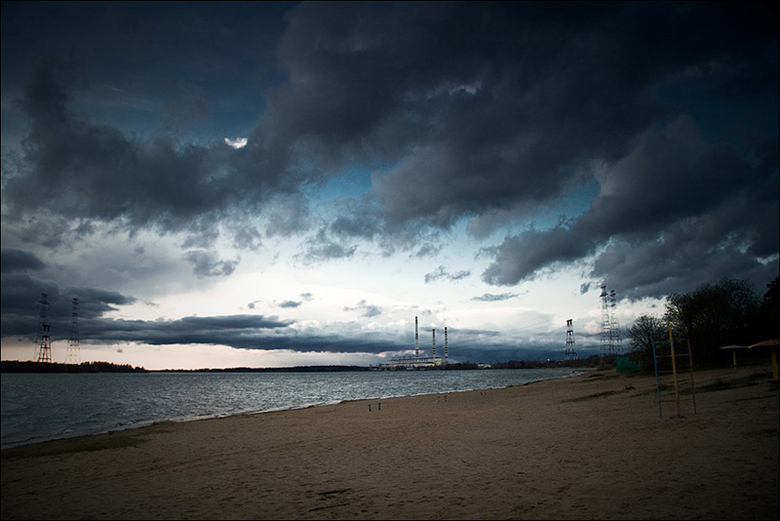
(354, 182)
(573, 203)
(568, 207)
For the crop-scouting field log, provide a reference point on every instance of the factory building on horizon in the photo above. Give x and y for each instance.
(417, 362)
(413, 363)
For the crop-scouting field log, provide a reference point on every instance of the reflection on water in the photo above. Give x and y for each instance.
(37, 407)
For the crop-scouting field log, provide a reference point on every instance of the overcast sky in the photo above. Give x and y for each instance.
(260, 184)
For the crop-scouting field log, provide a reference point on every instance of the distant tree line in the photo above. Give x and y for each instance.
(710, 317)
(296, 369)
(14, 366)
(591, 361)
(459, 366)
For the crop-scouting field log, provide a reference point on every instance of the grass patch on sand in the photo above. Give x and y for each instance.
(590, 396)
(74, 445)
(725, 385)
(603, 376)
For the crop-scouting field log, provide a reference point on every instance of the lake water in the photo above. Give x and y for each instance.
(40, 407)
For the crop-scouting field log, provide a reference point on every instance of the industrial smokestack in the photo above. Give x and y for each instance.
(416, 340)
(446, 347)
(434, 342)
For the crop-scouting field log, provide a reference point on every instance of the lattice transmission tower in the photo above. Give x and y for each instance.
(446, 348)
(74, 349)
(606, 323)
(614, 326)
(611, 339)
(571, 352)
(416, 340)
(43, 342)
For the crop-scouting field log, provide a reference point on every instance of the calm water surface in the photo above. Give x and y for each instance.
(39, 407)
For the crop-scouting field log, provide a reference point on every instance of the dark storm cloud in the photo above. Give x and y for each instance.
(239, 331)
(676, 211)
(441, 273)
(12, 259)
(367, 83)
(478, 123)
(77, 168)
(20, 303)
(459, 110)
(21, 293)
(512, 117)
(231, 330)
(185, 110)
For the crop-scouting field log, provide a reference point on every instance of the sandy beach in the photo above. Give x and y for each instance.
(588, 447)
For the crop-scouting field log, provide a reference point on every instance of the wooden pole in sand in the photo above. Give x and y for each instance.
(690, 364)
(674, 372)
(657, 382)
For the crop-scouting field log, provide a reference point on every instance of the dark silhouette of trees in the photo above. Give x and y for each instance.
(641, 335)
(715, 315)
(460, 366)
(769, 312)
(14, 366)
(711, 316)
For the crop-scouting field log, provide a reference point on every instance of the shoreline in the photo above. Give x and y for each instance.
(131, 425)
(588, 446)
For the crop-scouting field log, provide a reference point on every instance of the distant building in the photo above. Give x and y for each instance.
(412, 363)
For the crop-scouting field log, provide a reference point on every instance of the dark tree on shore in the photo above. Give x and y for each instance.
(770, 312)
(641, 335)
(714, 315)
